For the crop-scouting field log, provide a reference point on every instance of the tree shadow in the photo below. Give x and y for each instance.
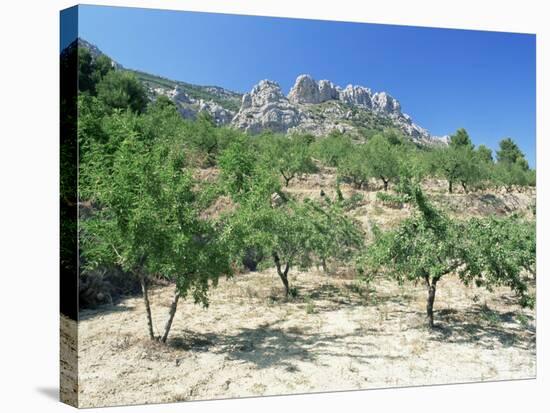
(102, 310)
(272, 346)
(484, 327)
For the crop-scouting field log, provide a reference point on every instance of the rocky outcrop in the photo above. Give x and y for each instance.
(384, 103)
(307, 90)
(189, 107)
(357, 96)
(219, 114)
(322, 107)
(266, 108)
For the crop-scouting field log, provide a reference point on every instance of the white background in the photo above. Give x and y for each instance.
(29, 203)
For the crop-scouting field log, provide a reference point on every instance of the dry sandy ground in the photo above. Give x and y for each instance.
(336, 335)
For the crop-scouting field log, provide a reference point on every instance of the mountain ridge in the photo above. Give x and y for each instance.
(311, 106)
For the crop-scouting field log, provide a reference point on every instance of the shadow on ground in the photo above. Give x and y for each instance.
(269, 345)
(484, 327)
(102, 310)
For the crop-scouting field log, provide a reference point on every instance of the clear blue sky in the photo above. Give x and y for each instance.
(445, 79)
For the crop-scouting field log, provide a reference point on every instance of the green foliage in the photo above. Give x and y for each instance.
(146, 214)
(355, 167)
(460, 163)
(429, 245)
(333, 149)
(509, 175)
(485, 154)
(392, 200)
(350, 203)
(461, 139)
(510, 153)
(237, 166)
(292, 233)
(147, 220)
(512, 168)
(288, 155)
(91, 71)
(500, 252)
(122, 90)
(383, 159)
(332, 234)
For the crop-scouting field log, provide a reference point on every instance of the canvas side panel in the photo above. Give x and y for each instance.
(68, 178)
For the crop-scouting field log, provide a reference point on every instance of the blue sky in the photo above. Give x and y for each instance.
(445, 79)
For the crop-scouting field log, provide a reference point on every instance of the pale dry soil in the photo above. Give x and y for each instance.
(336, 335)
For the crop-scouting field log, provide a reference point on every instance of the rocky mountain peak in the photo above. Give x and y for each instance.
(357, 95)
(345, 110)
(266, 107)
(383, 102)
(307, 90)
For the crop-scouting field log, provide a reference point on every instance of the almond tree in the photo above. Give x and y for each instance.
(147, 217)
(288, 155)
(430, 245)
(356, 167)
(382, 159)
(288, 232)
(293, 234)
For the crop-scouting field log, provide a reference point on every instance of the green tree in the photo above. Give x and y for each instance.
(508, 175)
(448, 162)
(101, 66)
(356, 167)
(429, 245)
(485, 154)
(459, 162)
(291, 234)
(85, 70)
(333, 235)
(383, 159)
(122, 90)
(148, 218)
(510, 153)
(461, 139)
(237, 167)
(333, 149)
(288, 155)
(91, 71)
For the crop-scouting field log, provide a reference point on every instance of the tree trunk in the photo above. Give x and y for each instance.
(171, 315)
(283, 274)
(287, 180)
(430, 306)
(145, 292)
(450, 186)
(324, 265)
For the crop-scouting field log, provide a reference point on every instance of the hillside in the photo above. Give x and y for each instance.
(316, 107)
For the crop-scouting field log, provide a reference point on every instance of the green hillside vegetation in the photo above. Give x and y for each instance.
(196, 92)
(152, 216)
